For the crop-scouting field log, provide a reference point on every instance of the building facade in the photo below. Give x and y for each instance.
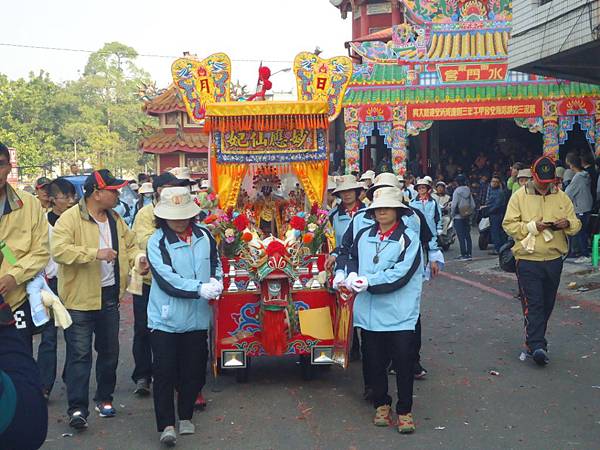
(559, 38)
(448, 61)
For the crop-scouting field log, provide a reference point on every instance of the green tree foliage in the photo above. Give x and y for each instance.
(96, 120)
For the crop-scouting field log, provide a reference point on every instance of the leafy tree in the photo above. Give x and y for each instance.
(96, 119)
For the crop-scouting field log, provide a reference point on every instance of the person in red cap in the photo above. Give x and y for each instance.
(41, 190)
(94, 249)
(539, 218)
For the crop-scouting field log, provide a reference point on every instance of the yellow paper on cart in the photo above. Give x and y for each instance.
(316, 323)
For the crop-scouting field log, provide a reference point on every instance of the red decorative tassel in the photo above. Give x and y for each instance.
(274, 337)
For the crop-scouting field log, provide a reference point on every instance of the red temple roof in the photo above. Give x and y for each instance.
(381, 35)
(163, 142)
(168, 101)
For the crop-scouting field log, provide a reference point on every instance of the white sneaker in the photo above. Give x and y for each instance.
(168, 437)
(583, 260)
(186, 427)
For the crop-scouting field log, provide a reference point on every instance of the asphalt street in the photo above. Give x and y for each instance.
(478, 394)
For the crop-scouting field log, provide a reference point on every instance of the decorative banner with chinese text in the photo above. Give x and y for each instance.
(202, 82)
(472, 73)
(476, 110)
(320, 79)
(274, 146)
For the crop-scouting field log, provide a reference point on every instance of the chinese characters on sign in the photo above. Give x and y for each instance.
(275, 141)
(483, 110)
(460, 73)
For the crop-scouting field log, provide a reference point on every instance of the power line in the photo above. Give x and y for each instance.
(144, 55)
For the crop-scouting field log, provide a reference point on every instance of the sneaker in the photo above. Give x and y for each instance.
(200, 403)
(460, 257)
(468, 258)
(186, 427)
(583, 260)
(406, 425)
(383, 416)
(142, 388)
(419, 372)
(78, 421)
(541, 357)
(105, 409)
(168, 436)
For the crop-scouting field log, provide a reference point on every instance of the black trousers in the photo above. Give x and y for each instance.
(179, 363)
(142, 351)
(397, 346)
(417, 341)
(102, 328)
(538, 284)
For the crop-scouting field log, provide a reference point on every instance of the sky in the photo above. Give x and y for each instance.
(268, 30)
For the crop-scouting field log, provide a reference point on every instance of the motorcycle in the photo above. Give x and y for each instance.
(448, 235)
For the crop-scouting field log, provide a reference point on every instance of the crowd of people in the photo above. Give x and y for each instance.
(67, 261)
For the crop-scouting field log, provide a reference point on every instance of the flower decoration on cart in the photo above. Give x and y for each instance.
(310, 229)
(232, 229)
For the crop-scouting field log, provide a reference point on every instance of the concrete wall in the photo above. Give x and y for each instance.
(543, 30)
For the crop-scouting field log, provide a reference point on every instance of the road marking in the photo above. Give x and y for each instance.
(585, 304)
(477, 285)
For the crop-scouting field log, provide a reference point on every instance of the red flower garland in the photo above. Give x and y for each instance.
(298, 223)
(241, 222)
(276, 248)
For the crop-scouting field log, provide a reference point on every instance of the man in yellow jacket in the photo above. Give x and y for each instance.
(95, 250)
(143, 227)
(23, 247)
(539, 218)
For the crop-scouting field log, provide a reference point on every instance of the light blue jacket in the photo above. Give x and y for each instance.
(392, 300)
(433, 214)
(178, 271)
(340, 220)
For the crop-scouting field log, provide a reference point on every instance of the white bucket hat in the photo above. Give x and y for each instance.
(424, 182)
(146, 188)
(440, 183)
(387, 197)
(524, 173)
(331, 182)
(369, 175)
(134, 187)
(176, 203)
(183, 173)
(385, 179)
(347, 183)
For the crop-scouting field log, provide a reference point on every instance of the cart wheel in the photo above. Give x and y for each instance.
(309, 371)
(484, 241)
(241, 375)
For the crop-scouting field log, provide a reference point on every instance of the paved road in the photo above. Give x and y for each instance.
(471, 325)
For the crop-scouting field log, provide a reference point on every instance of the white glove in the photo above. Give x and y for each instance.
(360, 284)
(62, 318)
(218, 284)
(338, 279)
(209, 290)
(349, 279)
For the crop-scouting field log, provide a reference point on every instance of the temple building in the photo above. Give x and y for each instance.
(180, 142)
(436, 86)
